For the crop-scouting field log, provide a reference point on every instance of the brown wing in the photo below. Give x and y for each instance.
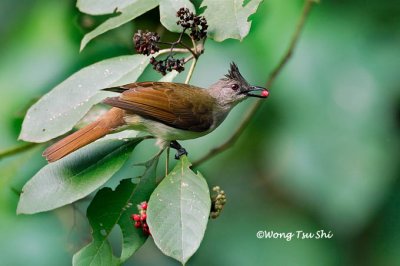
(177, 105)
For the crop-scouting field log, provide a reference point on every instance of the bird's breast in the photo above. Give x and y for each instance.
(160, 130)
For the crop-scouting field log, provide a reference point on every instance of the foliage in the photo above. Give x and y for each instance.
(126, 14)
(229, 19)
(321, 154)
(74, 176)
(178, 212)
(111, 208)
(53, 116)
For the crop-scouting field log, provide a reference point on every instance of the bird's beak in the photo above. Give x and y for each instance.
(259, 92)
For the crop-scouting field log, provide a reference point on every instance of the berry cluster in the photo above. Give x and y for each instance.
(140, 219)
(197, 24)
(168, 64)
(146, 42)
(217, 202)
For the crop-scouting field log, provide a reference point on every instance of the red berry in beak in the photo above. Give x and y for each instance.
(265, 93)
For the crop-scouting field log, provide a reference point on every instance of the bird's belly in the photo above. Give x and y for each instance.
(160, 130)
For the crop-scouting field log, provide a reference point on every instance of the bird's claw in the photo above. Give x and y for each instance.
(180, 152)
(179, 149)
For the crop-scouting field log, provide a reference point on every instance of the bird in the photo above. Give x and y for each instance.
(166, 110)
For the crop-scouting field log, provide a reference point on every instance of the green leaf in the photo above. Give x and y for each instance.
(95, 7)
(228, 18)
(178, 212)
(110, 208)
(95, 254)
(74, 176)
(128, 13)
(60, 109)
(168, 9)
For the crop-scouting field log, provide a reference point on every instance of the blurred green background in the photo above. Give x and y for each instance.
(321, 153)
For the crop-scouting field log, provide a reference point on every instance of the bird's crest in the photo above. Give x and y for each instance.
(234, 74)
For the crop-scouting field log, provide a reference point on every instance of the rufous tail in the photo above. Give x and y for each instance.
(99, 128)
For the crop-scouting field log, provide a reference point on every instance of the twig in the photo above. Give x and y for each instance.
(191, 69)
(18, 149)
(250, 113)
(187, 59)
(195, 55)
(180, 42)
(293, 42)
(224, 146)
(194, 46)
(176, 50)
(167, 161)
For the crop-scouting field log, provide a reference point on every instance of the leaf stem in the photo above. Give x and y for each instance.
(256, 105)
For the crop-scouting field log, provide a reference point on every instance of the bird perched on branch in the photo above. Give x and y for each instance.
(168, 111)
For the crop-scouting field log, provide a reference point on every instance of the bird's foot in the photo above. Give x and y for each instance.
(179, 153)
(179, 149)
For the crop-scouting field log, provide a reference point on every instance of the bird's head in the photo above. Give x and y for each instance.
(233, 88)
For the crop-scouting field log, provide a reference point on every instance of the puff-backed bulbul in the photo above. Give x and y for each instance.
(168, 111)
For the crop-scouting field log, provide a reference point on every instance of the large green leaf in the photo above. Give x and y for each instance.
(168, 9)
(74, 176)
(111, 208)
(135, 9)
(178, 212)
(60, 109)
(95, 7)
(228, 18)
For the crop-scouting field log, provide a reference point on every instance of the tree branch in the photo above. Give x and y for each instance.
(293, 42)
(17, 149)
(253, 109)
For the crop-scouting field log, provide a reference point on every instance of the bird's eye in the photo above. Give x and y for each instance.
(235, 86)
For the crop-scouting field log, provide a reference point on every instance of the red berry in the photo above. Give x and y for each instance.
(146, 231)
(143, 217)
(265, 93)
(137, 224)
(136, 217)
(143, 205)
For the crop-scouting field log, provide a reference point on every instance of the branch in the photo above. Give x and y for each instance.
(190, 73)
(168, 50)
(18, 149)
(293, 42)
(250, 113)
